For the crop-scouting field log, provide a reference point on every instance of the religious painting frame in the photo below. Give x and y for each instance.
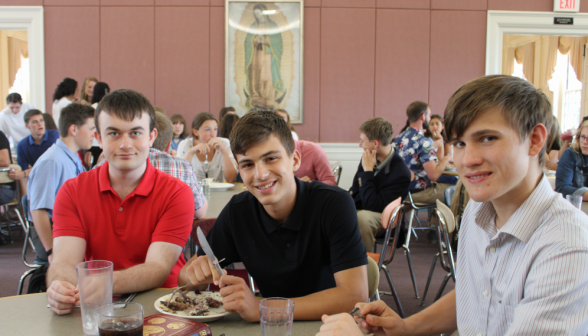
(264, 56)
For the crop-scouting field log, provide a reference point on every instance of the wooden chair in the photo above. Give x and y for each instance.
(445, 225)
(390, 221)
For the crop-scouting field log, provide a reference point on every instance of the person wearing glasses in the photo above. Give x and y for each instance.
(571, 177)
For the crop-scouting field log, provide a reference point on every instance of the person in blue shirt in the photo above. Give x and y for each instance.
(33, 146)
(57, 165)
(571, 177)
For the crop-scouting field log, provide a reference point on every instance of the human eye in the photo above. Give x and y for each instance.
(135, 133)
(488, 138)
(245, 165)
(272, 159)
(458, 144)
(113, 134)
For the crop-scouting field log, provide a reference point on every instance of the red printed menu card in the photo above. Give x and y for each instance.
(167, 325)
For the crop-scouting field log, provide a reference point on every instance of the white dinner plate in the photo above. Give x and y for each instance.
(220, 186)
(212, 315)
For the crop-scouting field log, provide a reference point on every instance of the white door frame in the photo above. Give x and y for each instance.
(525, 23)
(29, 18)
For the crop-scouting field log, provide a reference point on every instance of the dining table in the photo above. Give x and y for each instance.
(26, 315)
(217, 199)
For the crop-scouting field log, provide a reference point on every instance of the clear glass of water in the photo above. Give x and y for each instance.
(95, 285)
(205, 187)
(276, 316)
(576, 200)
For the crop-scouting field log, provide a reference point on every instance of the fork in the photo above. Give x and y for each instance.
(174, 293)
(206, 166)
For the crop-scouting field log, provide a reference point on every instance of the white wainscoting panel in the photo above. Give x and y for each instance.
(348, 155)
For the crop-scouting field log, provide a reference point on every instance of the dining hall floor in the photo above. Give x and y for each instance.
(12, 268)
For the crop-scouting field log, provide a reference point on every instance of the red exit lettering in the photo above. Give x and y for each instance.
(567, 4)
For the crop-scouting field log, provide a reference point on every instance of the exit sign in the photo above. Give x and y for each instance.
(566, 5)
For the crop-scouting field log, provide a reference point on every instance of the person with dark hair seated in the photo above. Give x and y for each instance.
(33, 146)
(12, 118)
(381, 178)
(58, 164)
(297, 239)
(137, 203)
(64, 94)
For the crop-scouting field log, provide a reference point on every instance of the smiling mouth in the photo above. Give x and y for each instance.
(475, 177)
(269, 185)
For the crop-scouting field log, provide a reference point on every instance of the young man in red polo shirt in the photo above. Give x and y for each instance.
(125, 211)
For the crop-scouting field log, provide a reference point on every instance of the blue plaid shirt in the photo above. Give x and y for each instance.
(415, 149)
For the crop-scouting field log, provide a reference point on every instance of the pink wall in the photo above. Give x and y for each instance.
(363, 58)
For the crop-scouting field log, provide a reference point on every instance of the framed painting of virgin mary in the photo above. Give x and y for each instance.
(264, 45)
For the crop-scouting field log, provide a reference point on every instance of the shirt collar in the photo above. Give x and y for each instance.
(385, 163)
(67, 151)
(32, 141)
(294, 221)
(144, 188)
(526, 219)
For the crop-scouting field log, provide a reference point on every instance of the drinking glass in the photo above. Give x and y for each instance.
(118, 319)
(576, 200)
(205, 187)
(95, 285)
(276, 316)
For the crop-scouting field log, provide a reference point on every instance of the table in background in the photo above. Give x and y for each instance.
(218, 199)
(28, 315)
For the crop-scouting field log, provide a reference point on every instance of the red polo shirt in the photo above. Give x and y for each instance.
(161, 208)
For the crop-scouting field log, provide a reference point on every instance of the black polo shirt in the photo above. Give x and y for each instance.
(300, 256)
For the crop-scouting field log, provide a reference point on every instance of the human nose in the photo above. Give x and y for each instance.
(468, 156)
(261, 172)
(125, 141)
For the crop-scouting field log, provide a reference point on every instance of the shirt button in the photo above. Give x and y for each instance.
(485, 293)
(120, 209)
(493, 249)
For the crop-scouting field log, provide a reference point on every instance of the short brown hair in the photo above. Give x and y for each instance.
(165, 131)
(200, 119)
(378, 129)
(125, 104)
(31, 113)
(227, 125)
(521, 104)
(256, 127)
(415, 110)
(74, 114)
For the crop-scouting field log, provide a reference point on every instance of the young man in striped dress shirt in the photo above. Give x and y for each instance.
(523, 249)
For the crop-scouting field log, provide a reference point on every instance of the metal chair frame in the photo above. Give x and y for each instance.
(392, 231)
(337, 169)
(26, 225)
(444, 225)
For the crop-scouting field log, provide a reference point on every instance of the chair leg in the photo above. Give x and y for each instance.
(22, 279)
(410, 217)
(429, 278)
(416, 292)
(377, 295)
(393, 289)
(442, 288)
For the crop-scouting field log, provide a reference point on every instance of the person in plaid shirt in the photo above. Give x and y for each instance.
(175, 166)
(418, 154)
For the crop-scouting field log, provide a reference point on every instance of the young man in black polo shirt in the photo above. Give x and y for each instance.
(298, 240)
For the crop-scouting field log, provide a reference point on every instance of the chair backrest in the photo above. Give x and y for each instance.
(204, 224)
(448, 196)
(26, 226)
(373, 276)
(337, 169)
(387, 213)
(447, 216)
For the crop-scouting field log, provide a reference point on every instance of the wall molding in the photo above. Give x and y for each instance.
(29, 18)
(525, 23)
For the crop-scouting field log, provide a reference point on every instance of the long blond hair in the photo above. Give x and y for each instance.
(87, 81)
(576, 143)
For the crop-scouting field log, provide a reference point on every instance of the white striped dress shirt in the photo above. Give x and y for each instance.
(528, 278)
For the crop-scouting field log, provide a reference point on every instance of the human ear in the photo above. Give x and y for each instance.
(296, 159)
(195, 133)
(152, 136)
(537, 139)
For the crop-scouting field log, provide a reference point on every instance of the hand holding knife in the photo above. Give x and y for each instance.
(206, 247)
